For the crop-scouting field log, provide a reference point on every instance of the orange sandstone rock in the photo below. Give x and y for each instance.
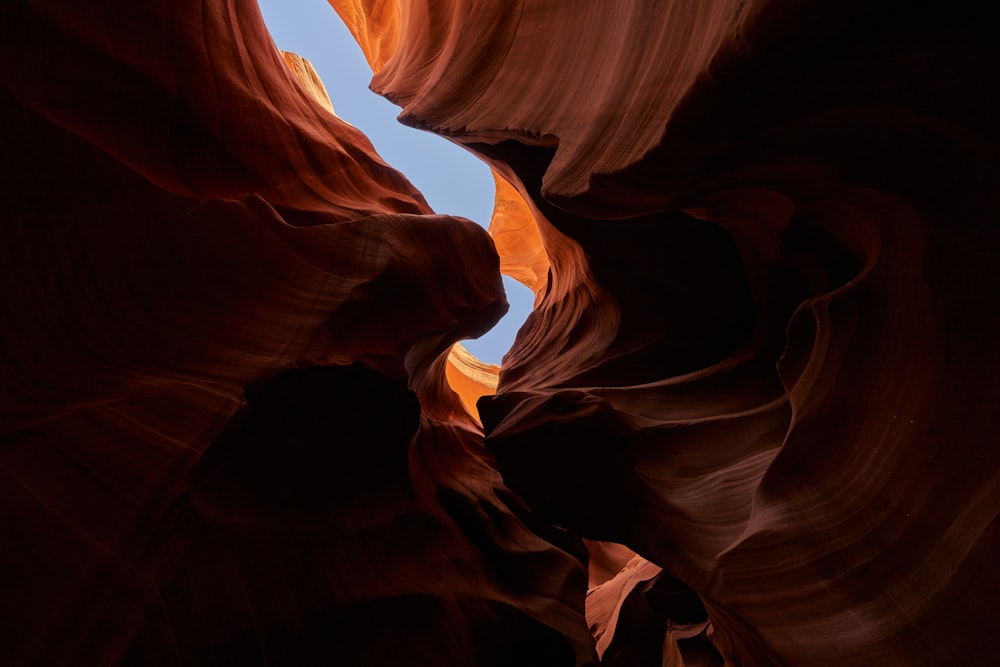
(307, 76)
(515, 234)
(470, 378)
(762, 359)
(225, 427)
(375, 26)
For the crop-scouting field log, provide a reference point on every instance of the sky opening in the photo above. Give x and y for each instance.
(452, 180)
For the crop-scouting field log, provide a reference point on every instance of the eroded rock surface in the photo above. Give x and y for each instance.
(227, 435)
(758, 394)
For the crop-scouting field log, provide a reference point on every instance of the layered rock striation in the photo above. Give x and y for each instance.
(761, 358)
(227, 433)
(751, 420)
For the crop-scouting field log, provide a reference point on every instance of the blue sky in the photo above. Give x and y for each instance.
(452, 180)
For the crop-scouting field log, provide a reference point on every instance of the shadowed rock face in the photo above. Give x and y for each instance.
(751, 421)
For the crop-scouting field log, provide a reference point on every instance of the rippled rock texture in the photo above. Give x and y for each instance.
(753, 419)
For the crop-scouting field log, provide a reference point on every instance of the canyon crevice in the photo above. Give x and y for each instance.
(752, 419)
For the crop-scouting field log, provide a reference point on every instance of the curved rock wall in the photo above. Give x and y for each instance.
(227, 436)
(763, 358)
(756, 403)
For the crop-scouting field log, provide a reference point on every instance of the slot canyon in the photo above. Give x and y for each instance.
(752, 420)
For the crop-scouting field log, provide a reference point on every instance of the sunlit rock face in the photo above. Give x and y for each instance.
(752, 420)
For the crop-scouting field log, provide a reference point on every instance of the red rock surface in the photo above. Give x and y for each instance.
(761, 378)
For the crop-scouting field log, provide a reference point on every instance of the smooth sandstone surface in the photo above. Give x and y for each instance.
(470, 378)
(752, 420)
(227, 436)
(309, 78)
